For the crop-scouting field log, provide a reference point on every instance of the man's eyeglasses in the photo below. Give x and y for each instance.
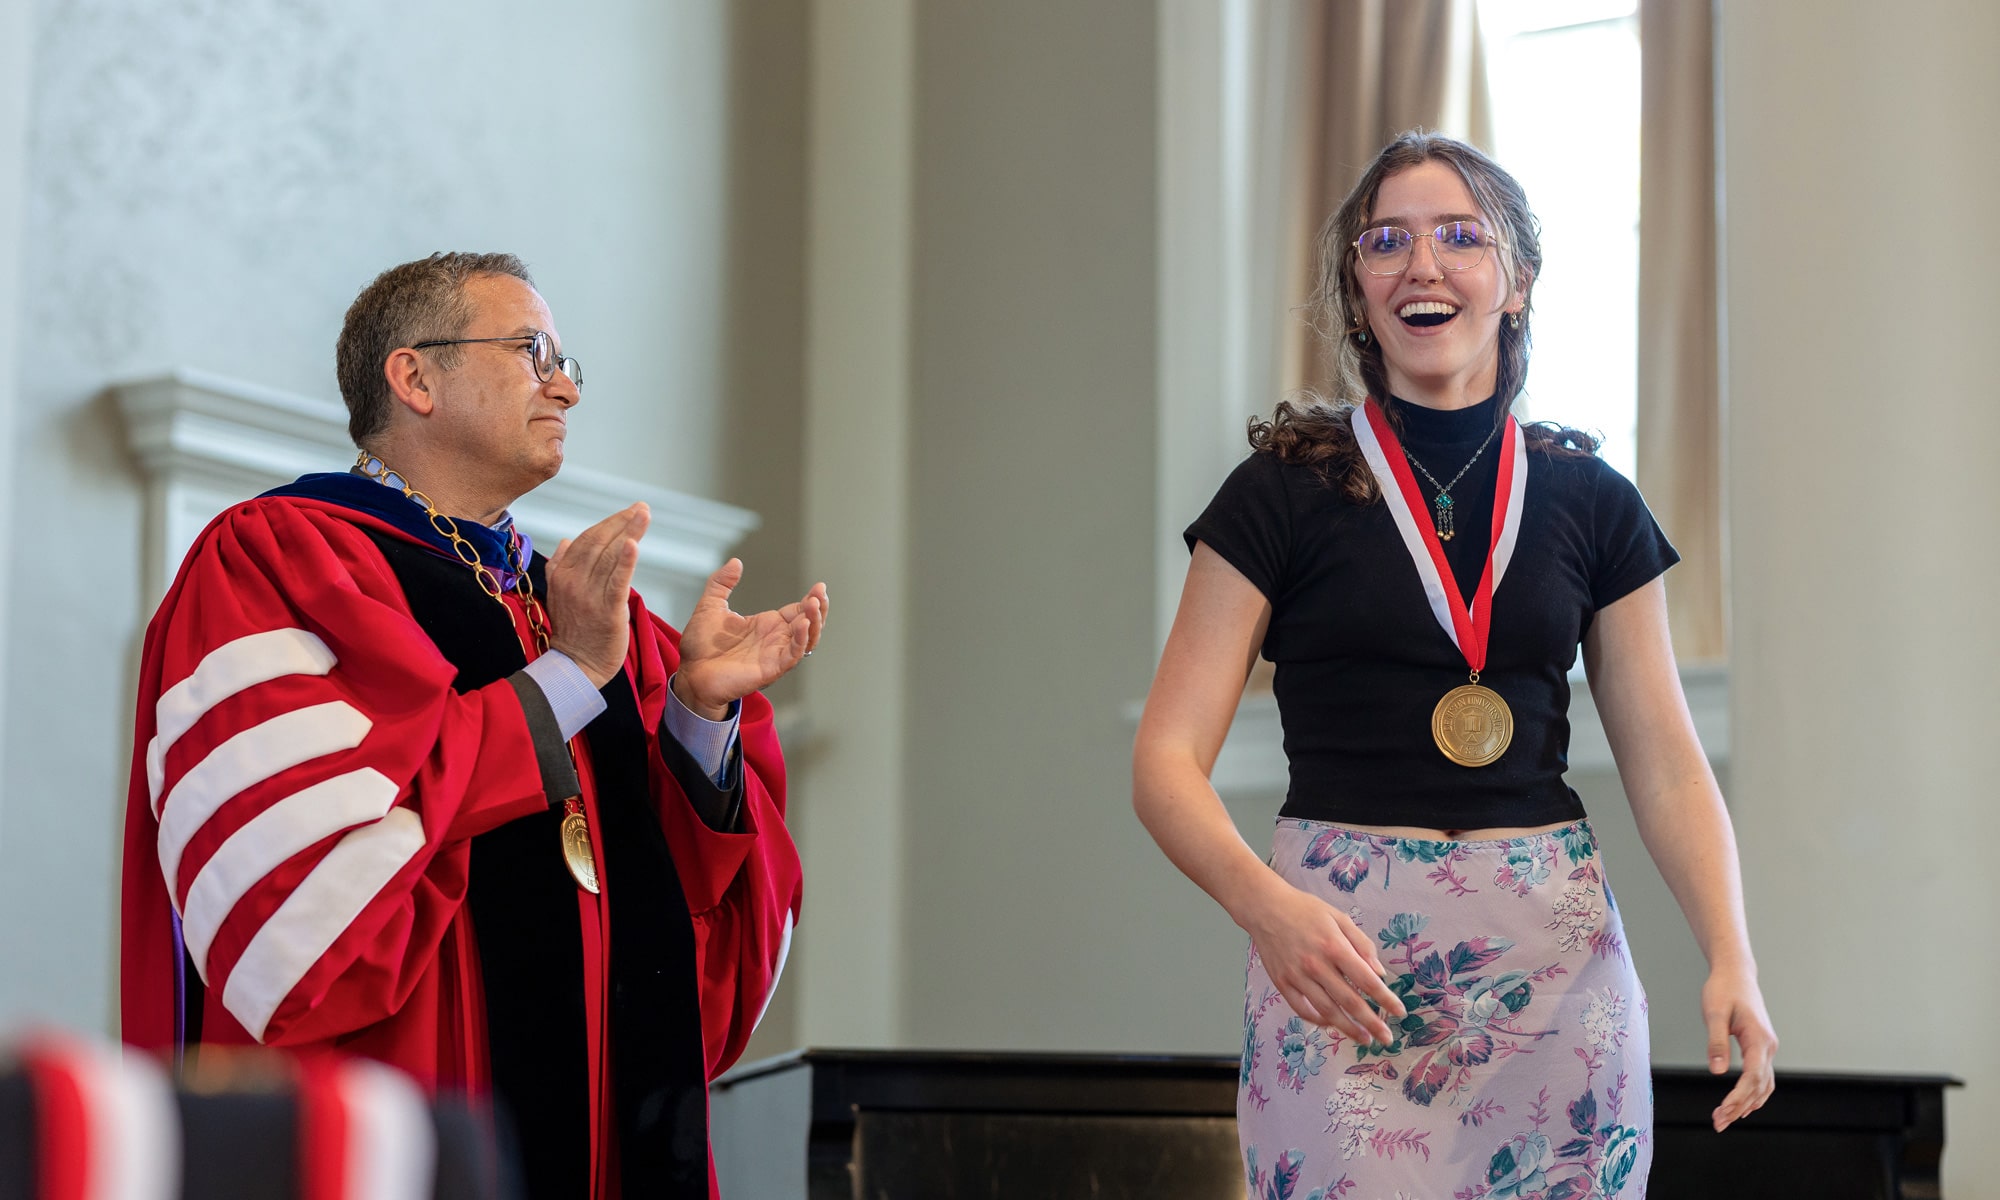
(1386, 250)
(541, 350)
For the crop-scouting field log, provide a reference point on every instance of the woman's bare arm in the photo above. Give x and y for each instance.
(1684, 824)
(1318, 959)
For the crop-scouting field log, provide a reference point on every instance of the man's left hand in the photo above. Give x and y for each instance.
(726, 655)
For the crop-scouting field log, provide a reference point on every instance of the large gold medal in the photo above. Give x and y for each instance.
(1472, 725)
(576, 848)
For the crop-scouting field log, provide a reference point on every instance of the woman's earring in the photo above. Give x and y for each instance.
(1361, 335)
(1514, 319)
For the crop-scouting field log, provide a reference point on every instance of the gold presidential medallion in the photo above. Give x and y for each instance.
(1472, 725)
(576, 848)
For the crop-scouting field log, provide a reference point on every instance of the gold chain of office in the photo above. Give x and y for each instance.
(374, 468)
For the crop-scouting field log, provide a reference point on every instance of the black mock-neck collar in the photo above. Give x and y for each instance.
(1438, 427)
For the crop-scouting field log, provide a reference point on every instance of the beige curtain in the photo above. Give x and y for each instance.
(1680, 413)
(1367, 71)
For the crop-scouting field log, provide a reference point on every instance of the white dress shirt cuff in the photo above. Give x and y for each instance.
(571, 697)
(709, 742)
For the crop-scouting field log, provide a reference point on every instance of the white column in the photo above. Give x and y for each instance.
(1863, 420)
(17, 29)
(17, 38)
(1225, 132)
(849, 797)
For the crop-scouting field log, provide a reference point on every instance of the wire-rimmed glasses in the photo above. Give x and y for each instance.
(541, 350)
(1460, 245)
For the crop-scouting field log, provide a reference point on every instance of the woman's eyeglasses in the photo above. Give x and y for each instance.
(1386, 249)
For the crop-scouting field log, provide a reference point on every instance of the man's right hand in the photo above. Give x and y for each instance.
(590, 583)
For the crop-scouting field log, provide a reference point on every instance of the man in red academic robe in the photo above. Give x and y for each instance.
(403, 788)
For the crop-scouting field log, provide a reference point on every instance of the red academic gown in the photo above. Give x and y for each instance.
(306, 785)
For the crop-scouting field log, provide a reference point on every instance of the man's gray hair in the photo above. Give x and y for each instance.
(416, 302)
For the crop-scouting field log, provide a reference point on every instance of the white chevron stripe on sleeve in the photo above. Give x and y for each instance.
(224, 671)
(316, 913)
(271, 837)
(251, 757)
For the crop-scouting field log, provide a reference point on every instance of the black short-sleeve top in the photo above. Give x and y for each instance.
(1361, 661)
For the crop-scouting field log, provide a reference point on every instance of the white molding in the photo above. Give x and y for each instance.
(1707, 689)
(1251, 765)
(205, 442)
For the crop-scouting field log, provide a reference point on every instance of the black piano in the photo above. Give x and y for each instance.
(914, 1125)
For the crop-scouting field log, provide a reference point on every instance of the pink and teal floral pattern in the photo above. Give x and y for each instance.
(1461, 1014)
(1345, 854)
(1281, 1182)
(1302, 1049)
(1509, 1077)
(1526, 864)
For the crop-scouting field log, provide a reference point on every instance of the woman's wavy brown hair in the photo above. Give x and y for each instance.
(1318, 430)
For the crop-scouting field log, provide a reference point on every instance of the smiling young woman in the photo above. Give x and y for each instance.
(1439, 999)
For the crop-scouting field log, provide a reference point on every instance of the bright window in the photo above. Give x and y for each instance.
(1565, 81)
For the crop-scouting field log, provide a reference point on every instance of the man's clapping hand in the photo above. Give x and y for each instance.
(726, 655)
(590, 582)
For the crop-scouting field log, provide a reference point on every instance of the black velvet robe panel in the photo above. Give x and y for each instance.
(523, 906)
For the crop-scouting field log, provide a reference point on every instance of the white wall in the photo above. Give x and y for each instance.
(210, 185)
(1858, 166)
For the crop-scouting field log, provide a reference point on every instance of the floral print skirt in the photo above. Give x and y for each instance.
(1522, 1071)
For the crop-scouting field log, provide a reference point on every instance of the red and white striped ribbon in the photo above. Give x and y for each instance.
(108, 1127)
(365, 1133)
(1467, 627)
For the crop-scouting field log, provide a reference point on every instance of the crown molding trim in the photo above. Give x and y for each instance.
(204, 442)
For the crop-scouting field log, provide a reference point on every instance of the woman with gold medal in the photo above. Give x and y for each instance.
(1440, 1000)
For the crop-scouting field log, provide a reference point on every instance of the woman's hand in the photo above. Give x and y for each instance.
(1733, 1006)
(1311, 950)
(1321, 963)
(1685, 826)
